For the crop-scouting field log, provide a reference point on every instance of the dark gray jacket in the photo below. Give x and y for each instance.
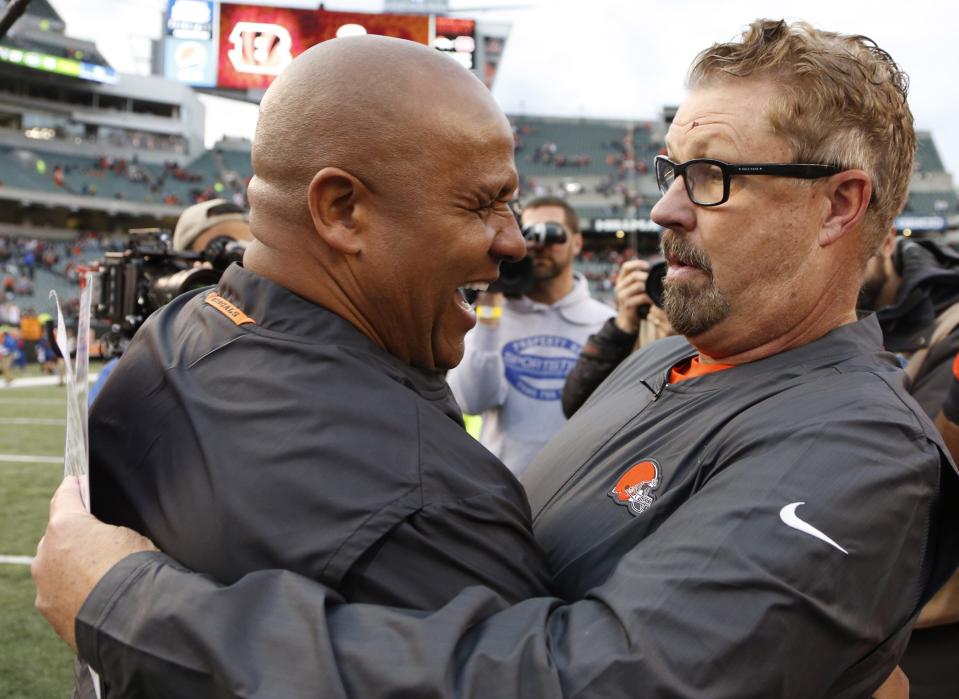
(294, 442)
(767, 531)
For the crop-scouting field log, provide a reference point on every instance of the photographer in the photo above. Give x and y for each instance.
(518, 356)
(210, 222)
(207, 227)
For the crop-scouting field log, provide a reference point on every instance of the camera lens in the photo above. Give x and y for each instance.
(165, 289)
(654, 282)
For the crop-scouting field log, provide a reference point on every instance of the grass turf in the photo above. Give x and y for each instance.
(34, 663)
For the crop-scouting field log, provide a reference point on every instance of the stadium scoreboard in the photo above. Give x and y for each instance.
(244, 47)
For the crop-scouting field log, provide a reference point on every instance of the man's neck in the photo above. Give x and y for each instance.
(552, 290)
(802, 334)
(298, 274)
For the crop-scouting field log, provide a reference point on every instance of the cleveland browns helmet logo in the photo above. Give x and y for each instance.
(635, 487)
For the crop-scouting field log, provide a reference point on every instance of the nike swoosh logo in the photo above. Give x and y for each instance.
(790, 519)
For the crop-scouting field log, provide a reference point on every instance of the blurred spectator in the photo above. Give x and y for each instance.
(9, 310)
(20, 356)
(8, 353)
(30, 332)
(46, 357)
(30, 264)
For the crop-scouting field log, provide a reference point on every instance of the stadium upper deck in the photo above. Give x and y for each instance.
(105, 152)
(601, 167)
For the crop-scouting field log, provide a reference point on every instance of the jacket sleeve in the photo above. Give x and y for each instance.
(479, 382)
(602, 353)
(723, 600)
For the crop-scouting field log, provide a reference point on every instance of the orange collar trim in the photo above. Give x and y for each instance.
(693, 368)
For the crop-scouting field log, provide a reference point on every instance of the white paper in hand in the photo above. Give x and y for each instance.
(76, 457)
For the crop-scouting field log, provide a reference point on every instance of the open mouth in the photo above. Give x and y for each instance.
(471, 290)
(682, 256)
(679, 260)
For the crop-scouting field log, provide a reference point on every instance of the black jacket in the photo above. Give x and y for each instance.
(790, 519)
(294, 442)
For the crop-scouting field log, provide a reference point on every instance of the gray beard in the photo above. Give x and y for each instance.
(693, 311)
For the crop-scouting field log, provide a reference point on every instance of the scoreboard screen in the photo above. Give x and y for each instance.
(243, 47)
(189, 42)
(457, 38)
(257, 42)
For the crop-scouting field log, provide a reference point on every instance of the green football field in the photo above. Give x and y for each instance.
(34, 663)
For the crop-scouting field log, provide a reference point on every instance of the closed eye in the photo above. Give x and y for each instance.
(494, 204)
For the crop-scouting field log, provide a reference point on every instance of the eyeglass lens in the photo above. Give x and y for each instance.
(665, 174)
(704, 181)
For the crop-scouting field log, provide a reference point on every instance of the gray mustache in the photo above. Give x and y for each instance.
(675, 245)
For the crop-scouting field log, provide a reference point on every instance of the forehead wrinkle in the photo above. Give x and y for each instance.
(699, 142)
(726, 127)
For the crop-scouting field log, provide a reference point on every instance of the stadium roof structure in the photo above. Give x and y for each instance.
(37, 42)
(41, 9)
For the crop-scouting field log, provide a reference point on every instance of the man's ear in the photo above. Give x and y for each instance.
(334, 196)
(848, 194)
(888, 243)
(577, 243)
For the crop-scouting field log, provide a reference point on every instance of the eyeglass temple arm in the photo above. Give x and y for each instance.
(800, 170)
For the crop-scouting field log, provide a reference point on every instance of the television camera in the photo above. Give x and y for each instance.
(516, 278)
(130, 285)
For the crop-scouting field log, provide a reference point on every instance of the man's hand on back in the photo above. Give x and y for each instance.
(75, 552)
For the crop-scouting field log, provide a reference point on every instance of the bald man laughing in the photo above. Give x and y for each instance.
(296, 416)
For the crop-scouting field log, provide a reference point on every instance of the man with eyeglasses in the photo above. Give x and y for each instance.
(757, 509)
(518, 355)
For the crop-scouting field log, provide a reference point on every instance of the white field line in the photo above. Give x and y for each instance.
(33, 381)
(30, 421)
(28, 459)
(17, 560)
(34, 401)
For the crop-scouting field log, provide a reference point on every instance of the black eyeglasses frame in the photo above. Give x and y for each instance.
(803, 171)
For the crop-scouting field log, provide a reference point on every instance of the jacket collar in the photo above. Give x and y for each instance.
(862, 338)
(278, 311)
